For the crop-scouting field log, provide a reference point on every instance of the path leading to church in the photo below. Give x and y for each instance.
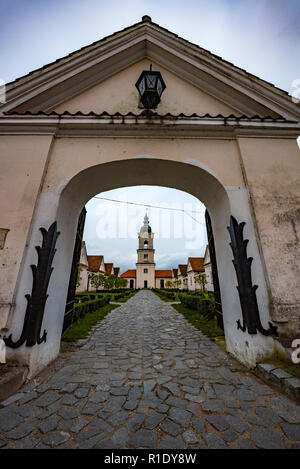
(146, 378)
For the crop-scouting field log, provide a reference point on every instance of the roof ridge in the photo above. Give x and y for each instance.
(75, 52)
(148, 22)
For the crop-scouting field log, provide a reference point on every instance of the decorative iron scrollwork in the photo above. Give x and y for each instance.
(37, 300)
(247, 291)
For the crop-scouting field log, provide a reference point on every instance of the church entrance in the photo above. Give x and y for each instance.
(145, 283)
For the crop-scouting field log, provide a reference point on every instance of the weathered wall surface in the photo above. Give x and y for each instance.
(118, 94)
(23, 161)
(210, 169)
(72, 155)
(272, 170)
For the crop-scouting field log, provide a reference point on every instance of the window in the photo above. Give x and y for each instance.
(145, 271)
(145, 244)
(145, 256)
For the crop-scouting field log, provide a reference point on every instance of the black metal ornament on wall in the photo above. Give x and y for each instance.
(247, 291)
(37, 299)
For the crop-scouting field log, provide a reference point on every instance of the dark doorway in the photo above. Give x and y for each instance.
(74, 269)
(162, 284)
(145, 283)
(214, 270)
(131, 284)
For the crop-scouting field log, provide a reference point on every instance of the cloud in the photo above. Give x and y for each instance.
(261, 36)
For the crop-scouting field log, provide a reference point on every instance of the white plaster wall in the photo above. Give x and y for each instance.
(62, 199)
(208, 272)
(118, 94)
(83, 280)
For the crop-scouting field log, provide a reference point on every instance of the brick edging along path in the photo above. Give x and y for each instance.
(146, 378)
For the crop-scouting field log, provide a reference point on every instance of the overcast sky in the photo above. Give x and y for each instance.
(261, 36)
(179, 227)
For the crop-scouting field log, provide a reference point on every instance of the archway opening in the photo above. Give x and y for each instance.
(71, 196)
(190, 179)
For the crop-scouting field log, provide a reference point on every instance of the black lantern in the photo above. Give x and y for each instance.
(150, 86)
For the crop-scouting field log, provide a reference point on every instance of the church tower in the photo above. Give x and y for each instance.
(145, 266)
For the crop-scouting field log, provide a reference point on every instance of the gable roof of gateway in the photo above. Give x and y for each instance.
(145, 20)
(148, 39)
(116, 271)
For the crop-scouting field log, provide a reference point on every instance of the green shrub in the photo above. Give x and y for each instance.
(200, 303)
(81, 309)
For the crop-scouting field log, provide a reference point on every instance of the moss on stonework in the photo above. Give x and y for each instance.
(287, 366)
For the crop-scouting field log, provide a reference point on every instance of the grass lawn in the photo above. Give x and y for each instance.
(82, 328)
(209, 328)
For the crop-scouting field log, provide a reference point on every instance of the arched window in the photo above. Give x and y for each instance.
(145, 244)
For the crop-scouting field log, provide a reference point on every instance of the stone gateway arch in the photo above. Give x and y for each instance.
(77, 127)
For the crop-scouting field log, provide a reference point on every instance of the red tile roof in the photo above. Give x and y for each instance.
(182, 269)
(129, 274)
(196, 263)
(94, 263)
(163, 273)
(108, 268)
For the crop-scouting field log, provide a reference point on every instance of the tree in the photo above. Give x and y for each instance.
(177, 283)
(109, 282)
(201, 279)
(97, 280)
(169, 284)
(120, 282)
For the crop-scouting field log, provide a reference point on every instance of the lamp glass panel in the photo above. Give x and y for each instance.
(142, 86)
(151, 81)
(159, 87)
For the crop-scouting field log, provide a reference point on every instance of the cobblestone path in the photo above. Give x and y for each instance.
(146, 378)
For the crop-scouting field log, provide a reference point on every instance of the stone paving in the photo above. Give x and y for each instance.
(146, 378)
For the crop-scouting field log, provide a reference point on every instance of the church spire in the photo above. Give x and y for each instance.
(146, 228)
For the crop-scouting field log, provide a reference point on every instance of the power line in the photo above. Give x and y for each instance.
(154, 206)
(146, 205)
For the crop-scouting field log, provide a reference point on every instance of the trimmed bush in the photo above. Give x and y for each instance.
(81, 309)
(200, 303)
(165, 294)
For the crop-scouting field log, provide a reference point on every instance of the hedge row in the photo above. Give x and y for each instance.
(170, 295)
(122, 295)
(204, 306)
(81, 309)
